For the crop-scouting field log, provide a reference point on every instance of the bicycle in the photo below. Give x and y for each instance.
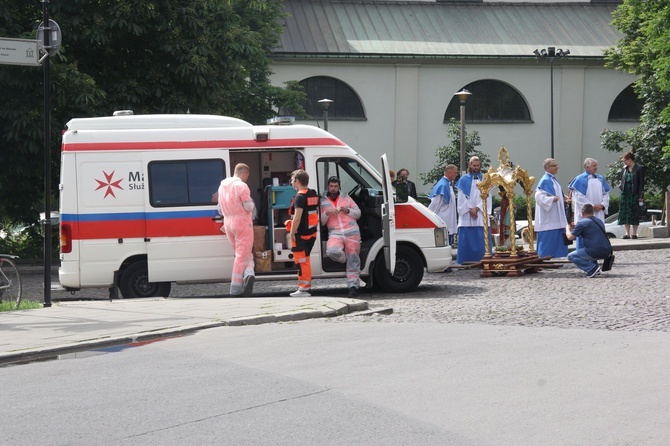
(10, 280)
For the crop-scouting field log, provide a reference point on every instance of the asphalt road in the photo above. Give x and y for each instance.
(552, 358)
(351, 382)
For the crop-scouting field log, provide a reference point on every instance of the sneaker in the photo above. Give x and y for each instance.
(595, 272)
(300, 293)
(635, 237)
(248, 286)
(353, 292)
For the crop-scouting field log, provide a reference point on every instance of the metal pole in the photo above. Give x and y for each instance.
(462, 138)
(551, 76)
(325, 118)
(47, 158)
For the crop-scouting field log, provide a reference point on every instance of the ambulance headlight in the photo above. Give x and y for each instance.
(441, 237)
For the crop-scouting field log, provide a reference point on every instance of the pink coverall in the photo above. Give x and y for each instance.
(344, 237)
(238, 210)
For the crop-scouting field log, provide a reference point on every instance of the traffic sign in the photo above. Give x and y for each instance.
(19, 52)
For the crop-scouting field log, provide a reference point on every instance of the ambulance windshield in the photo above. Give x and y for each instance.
(353, 174)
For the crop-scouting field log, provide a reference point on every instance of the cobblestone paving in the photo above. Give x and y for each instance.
(635, 295)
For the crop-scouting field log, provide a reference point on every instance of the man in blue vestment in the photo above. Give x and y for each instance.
(471, 246)
(550, 217)
(442, 200)
(590, 187)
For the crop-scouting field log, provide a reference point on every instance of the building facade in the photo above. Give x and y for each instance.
(392, 69)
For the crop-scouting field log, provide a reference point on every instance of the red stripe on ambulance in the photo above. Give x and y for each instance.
(408, 216)
(183, 227)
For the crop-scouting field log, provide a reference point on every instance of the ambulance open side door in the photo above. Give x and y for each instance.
(388, 217)
(183, 239)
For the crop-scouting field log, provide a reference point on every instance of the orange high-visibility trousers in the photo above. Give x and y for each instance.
(301, 258)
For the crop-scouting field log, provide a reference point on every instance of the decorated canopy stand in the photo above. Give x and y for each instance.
(514, 261)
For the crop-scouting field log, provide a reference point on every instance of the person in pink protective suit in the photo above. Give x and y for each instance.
(339, 213)
(238, 212)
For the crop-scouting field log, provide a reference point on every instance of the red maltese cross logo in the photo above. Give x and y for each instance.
(109, 184)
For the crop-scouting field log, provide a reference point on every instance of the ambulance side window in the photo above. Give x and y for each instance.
(353, 176)
(184, 182)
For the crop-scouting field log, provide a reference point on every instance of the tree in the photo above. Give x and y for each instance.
(451, 154)
(644, 51)
(150, 56)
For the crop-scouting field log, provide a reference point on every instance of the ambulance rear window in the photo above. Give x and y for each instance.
(184, 182)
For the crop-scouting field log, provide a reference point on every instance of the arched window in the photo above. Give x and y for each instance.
(491, 101)
(627, 106)
(346, 103)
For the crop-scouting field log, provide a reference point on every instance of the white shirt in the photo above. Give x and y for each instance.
(446, 211)
(595, 194)
(474, 200)
(549, 215)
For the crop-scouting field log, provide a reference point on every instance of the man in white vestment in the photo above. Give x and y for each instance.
(590, 187)
(443, 200)
(471, 246)
(550, 217)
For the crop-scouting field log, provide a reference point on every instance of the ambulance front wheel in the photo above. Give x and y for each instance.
(134, 282)
(407, 275)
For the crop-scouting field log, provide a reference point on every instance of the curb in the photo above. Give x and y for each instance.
(647, 245)
(46, 353)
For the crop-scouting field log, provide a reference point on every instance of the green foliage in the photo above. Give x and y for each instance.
(25, 242)
(24, 305)
(520, 208)
(150, 56)
(451, 153)
(647, 154)
(644, 50)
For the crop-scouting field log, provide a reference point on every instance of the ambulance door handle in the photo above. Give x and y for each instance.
(147, 239)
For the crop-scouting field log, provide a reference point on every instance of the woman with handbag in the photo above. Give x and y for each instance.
(632, 194)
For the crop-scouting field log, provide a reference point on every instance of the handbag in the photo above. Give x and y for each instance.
(566, 240)
(641, 210)
(609, 260)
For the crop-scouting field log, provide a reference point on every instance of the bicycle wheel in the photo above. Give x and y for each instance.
(10, 282)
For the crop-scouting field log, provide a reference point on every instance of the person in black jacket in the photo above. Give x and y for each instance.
(403, 186)
(632, 194)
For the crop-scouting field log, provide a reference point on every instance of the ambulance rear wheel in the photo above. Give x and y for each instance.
(407, 275)
(134, 282)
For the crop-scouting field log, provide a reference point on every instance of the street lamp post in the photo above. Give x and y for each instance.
(325, 103)
(552, 53)
(463, 98)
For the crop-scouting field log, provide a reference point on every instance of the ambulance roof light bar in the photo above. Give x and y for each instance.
(281, 120)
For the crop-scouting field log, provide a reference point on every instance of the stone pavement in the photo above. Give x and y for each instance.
(75, 326)
(82, 325)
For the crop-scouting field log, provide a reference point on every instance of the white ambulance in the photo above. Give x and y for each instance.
(136, 209)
